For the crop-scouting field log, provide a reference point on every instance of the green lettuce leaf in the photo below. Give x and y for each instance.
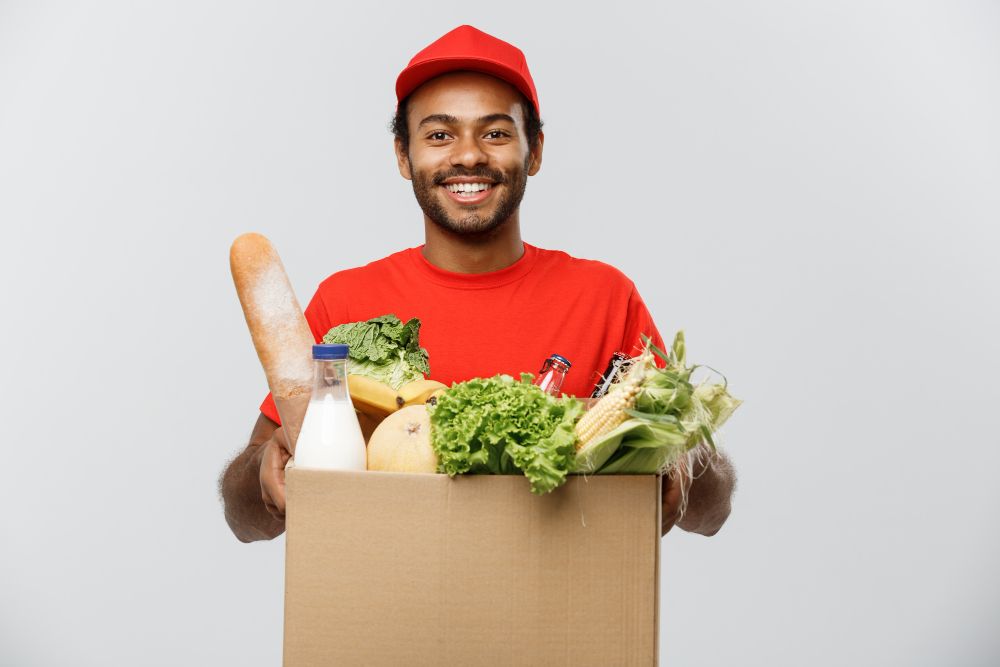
(504, 426)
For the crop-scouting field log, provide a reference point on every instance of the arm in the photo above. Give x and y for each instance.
(253, 485)
(709, 494)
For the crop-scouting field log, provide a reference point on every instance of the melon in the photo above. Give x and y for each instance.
(402, 442)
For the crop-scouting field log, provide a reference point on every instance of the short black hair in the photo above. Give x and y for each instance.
(401, 129)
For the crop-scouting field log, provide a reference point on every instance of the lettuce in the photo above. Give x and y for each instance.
(501, 426)
(383, 348)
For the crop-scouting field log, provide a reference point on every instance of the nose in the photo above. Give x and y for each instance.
(468, 152)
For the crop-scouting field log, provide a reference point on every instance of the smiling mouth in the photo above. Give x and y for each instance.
(469, 194)
(467, 188)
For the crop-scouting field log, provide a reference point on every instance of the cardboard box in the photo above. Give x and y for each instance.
(414, 569)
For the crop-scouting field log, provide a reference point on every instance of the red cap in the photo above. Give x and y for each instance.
(466, 48)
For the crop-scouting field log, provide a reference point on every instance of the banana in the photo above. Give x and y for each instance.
(419, 391)
(375, 399)
(432, 399)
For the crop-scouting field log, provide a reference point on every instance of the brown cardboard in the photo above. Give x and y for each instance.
(414, 569)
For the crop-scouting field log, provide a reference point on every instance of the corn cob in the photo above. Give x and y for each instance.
(609, 412)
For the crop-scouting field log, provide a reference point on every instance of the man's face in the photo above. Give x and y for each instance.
(468, 157)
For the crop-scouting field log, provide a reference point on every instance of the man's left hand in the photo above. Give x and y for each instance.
(710, 504)
(673, 483)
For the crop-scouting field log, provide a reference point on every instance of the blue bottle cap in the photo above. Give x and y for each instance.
(562, 359)
(336, 351)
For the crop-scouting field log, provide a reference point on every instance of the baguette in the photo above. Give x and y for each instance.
(278, 328)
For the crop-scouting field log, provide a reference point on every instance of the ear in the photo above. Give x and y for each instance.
(402, 160)
(536, 155)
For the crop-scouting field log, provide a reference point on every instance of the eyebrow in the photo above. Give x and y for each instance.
(451, 120)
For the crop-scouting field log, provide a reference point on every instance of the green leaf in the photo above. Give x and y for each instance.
(655, 349)
(639, 461)
(679, 350)
(654, 417)
(501, 426)
(596, 453)
(383, 348)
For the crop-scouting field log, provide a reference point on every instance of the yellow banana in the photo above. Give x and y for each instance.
(372, 397)
(419, 391)
(432, 399)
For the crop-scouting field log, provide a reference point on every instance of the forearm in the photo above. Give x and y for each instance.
(709, 498)
(244, 507)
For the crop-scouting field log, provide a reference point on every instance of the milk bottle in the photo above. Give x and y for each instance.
(331, 436)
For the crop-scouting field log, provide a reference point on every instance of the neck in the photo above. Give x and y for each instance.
(465, 253)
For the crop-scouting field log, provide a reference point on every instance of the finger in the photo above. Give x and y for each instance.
(671, 508)
(273, 509)
(279, 437)
(671, 492)
(272, 480)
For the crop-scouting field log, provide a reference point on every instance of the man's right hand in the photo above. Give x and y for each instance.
(274, 457)
(253, 484)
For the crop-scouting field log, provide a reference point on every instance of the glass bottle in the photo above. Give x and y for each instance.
(553, 372)
(331, 436)
(617, 366)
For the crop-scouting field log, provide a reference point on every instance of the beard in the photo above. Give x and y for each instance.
(473, 223)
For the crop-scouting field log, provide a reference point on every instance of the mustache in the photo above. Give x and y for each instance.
(479, 172)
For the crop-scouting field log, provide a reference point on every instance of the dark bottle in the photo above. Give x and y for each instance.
(616, 368)
(550, 378)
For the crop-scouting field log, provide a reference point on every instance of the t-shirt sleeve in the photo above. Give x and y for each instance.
(319, 317)
(638, 321)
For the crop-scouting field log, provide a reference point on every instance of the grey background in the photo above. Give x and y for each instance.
(809, 189)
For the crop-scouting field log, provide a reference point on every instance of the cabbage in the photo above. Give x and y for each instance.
(383, 348)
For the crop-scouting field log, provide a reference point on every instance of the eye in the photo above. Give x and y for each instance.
(438, 136)
(497, 134)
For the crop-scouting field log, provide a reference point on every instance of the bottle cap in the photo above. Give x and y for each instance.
(562, 359)
(336, 351)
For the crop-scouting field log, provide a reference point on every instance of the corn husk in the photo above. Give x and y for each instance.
(669, 418)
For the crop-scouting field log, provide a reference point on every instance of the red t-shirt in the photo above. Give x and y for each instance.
(507, 321)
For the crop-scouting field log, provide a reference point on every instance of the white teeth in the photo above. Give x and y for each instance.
(468, 187)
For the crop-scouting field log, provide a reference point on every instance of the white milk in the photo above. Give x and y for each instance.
(331, 437)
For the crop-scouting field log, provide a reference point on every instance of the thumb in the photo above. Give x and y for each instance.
(282, 441)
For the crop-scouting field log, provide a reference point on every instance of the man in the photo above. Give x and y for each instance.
(468, 135)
